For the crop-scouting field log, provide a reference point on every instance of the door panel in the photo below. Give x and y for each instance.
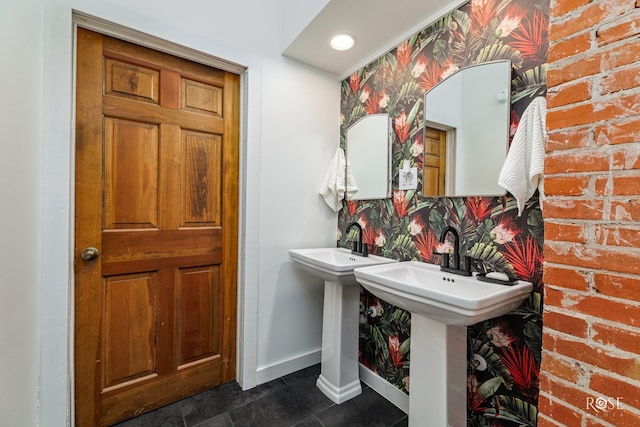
(156, 162)
(130, 325)
(435, 157)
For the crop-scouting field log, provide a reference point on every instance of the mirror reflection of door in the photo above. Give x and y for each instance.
(435, 160)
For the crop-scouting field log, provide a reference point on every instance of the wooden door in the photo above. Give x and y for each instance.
(435, 161)
(156, 191)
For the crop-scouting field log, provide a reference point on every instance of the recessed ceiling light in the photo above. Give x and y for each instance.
(342, 41)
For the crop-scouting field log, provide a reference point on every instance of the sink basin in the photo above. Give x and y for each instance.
(334, 264)
(445, 297)
(442, 305)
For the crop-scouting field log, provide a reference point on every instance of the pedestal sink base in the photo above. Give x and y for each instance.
(339, 395)
(438, 373)
(339, 379)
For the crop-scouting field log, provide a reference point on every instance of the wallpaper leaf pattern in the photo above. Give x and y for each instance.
(503, 353)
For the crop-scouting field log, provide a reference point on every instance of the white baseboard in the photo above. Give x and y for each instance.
(370, 378)
(384, 388)
(286, 367)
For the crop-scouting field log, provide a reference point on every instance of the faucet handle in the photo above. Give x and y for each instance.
(444, 258)
(466, 263)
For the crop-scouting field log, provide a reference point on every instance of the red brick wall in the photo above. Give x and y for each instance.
(590, 374)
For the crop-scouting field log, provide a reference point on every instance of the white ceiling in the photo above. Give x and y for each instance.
(378, 25)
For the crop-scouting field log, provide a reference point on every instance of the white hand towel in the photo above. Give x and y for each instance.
(337, 181)
(522, 171)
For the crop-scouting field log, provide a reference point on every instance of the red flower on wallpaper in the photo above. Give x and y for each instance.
(426, 243)
(403, 54)
(522, 366)
(505, 231)
(526, 259)
(369, 234)
(371, 104)
(375, 102)
(476, 401)
(530, 38)
(354, 82)
(352, 207)
(514, 123)
(482, 12)
(479, 208)
(394, 350)
(431, 75)
(400, 204)
(401, 127)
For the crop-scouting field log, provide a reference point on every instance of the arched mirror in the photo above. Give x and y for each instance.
(466, 134)
(367, 150)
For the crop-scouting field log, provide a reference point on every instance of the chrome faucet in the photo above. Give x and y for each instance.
(444, 263)
(357, 247)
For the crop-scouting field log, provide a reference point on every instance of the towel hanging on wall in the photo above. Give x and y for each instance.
(522, 171)
(338, 181)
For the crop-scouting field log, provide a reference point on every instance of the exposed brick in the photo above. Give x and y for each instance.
(622, 79)
(566, 185)
(613, 361)
(574, 70)
(561, 368)
(558, 412)
(562, 232)
(623, 27)
(593, 112)
(618, 132)
(571, 394)
(623, 339)
(544, 421)
(618, 56)
(567, 140)
(607, 385)
(578, 22)
(565, 277)
(565, 323)
(611, 259)
(591, 226)
(562, 7)
(617, 418)
(617, 286)
(569, 94)
(570, 47)
(624, 210)
(590, 421)
(582, 161)
(628, 185)
(626, 157)
(584, 209)
(617, 235)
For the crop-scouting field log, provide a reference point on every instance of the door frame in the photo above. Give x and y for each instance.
(57, 318)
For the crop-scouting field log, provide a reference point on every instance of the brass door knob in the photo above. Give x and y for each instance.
(89, 253)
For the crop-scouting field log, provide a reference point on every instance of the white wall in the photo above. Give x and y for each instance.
(20, 186)
(294, 156)
(290, 134)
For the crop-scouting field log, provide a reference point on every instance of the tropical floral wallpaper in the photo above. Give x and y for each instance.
(503, 353)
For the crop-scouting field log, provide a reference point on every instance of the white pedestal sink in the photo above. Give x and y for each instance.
(339, 379)
(442, 305)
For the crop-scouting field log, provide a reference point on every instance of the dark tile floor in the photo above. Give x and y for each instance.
(293, 400)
